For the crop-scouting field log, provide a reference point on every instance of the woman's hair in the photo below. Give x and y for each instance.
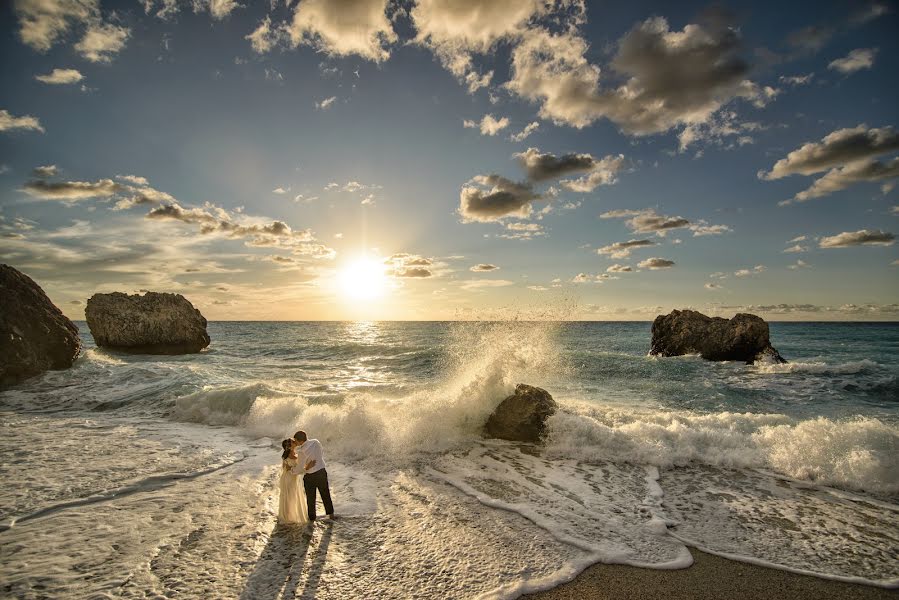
(286, 445)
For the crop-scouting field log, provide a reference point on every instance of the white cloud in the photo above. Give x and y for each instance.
(326, 103)
(343, 28)
(840, 178)
(795, 249)
(796, 79)
(42, 22)
(72, 190)
(483, 268)
(856, 60)
(101, 41)
(280, 190)
(489, 125)
(749, 272)
(60, 77)
(616, 268)
(10, 123)
(799, 264)
(488, 198)
(45, 171)
(524, 133)
(624, 249)
(835, 149)
(478, 284)
(672, 77)
(655, 263)
(263, 38)
(135, 179)
(713, 286)
(862, 237)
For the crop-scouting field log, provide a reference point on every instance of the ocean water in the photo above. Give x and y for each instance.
(155, 476)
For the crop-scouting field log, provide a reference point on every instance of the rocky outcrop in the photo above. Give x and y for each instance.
(34, 334)
(154, 323)
(744, 337)
(522, 416)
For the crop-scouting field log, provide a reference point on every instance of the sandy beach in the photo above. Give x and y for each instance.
(710, 578)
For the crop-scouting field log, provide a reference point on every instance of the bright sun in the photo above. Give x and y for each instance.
(363, 279)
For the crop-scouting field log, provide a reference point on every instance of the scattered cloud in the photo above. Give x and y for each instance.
(10, 123)
(488, 198)
(60, 77)
(655, 263)
(624, 249)
(796, 79)
(713, 286)
(799, 264)
(135, 179)
(616, 268)
(326, 103)
(543, 166)
(45, 171)
(348, 28)
(409, 266)
(280, 190)
(672, 77)
(842, 177)
(478, 284)
(856, 60)
(835, 149)
(489, 125)
(71, 190)
(796, 248)
(749, 272)
(101, 41)
(264, 38)
(522, 231)
(526, 132)
(862, 237)
(483, 268)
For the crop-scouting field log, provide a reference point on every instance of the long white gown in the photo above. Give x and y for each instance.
(292, 500)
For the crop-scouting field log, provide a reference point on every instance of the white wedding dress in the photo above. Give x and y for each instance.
(292, 500)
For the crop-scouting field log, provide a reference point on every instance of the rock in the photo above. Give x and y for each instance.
(154, 323)
(522, 416)
(745, 337)
(34, 334)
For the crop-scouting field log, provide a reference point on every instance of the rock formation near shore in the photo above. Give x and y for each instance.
(34, 334)
(522, 416)
(744, 337)
(154, 323)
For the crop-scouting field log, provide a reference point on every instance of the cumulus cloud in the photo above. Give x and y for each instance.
(60, 77)
(483, 268)
(524, 133)
(264, 37)
(42, 22)
(411, 266)
(749, 272)
(624, 249)
(862, 237)
(45, 171)
(9, 123)
(713, 286)
(672, 78)
(858, 59)
(835, 149)
(101, 41)
(616, 268)
(522, 231)
(796, 79)
(655, 263)
(135, 179)
(796, 248)
(454, 31)
(489, 125)
(218, 9)
(649, 221)
(72, 190)
(326, 103)
(343, 28)
(488, 198)
(842, 177)
(799, 264)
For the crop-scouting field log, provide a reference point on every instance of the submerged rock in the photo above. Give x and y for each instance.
(522, 416)
(154, 323)
(34, 334)
(744, 337)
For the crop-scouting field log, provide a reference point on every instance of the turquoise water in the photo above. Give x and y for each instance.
(795, 465)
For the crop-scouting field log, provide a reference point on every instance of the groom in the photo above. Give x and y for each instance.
(316, 477)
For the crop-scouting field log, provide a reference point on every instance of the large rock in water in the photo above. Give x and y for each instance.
(34, 334)
(745, 337)
(154, 323)
(522, 416)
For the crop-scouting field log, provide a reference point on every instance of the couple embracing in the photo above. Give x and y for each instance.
(302, 456)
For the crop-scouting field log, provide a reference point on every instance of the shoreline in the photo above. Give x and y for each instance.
(710, 577)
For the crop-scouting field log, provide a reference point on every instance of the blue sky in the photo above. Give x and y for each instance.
(454, 159)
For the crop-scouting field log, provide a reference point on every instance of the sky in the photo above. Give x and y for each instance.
(455, 159)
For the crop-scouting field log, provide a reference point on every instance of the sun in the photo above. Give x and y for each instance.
(363, 279)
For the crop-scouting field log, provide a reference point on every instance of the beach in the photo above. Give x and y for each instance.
(709, 578)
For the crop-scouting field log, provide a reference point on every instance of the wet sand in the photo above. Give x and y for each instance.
(710, 578)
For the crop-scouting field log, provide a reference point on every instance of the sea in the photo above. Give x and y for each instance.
(137, 476)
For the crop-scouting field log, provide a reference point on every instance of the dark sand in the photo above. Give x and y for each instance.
(710, 577)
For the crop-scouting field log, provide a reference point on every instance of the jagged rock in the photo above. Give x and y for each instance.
(522, 416)
(34, 334)
(154, 323)
(745, 337)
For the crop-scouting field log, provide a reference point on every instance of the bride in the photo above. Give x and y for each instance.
(292, 501)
